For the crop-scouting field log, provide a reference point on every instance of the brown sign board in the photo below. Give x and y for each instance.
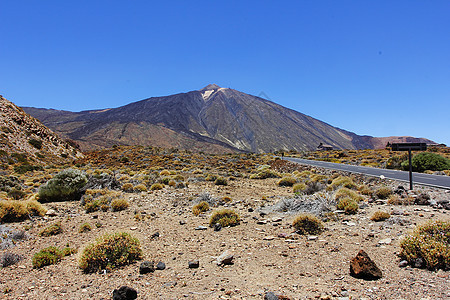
(408, 146)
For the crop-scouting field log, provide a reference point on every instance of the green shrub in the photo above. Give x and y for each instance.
(225, 217)
(429, 242)
(307, 224)
(16, 194)
(85, 227)
(65, 186)
(35, 143)
(383, 192)
(119, 204)
(220, 181)
(427, 161)
(22, 169)
(348, 205)
(110, 251)
(379, 216)
(200, 208)
(16, 211)
(51, 230)
(395, 162)
(50, 256)
(287, 181)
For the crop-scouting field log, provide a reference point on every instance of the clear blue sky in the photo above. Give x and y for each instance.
(379, 68)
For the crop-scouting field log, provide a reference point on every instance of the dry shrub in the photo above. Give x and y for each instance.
(342, 181)
(348, 205)
(200, 208)
(225, 217)
(397, 200)
(85, 227)
(428, 246)
(379, 216)
(51, 230)
(299, 187)
(16, 211)
(127, 187)
(221, 181)
(319, 178)
(164, 173)
(140, 188)
(307, 224)
(265, 173)
(110, 251)
(365, 190)
(156, 187)
(345, 192)
(383, 192)
(287, 181)
(119, 204)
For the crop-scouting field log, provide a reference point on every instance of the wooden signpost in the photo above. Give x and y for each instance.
(409, 147)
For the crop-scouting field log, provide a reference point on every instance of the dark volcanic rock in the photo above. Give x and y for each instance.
(147, 267)
(422, 199)
(125, 293)
(361, 266)
(194, 264)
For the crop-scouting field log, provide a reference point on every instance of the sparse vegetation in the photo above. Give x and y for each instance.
(200, 208)
(51, 230)
(299, 187)
(383, 192)
(85, 227)
(110, 251)
(15, 210)
(50, 256)
(35, 143)
(221, 181)
(156, 187)
(119, 204)
(287, 181)
(225, 217)
(307, 224)
(427, 161)
(379, 216)
(428, 246)
(348, 205)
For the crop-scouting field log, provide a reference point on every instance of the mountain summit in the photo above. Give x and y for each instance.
(211, 119)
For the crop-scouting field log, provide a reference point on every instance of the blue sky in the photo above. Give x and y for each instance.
(379, 68)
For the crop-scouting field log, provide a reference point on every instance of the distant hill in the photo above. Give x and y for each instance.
(21, 133)
(212, 119)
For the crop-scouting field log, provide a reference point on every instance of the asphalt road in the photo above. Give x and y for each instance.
(439, 181)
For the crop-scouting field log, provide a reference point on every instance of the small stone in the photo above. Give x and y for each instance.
(269, 238)
(277, 219)
(193, 264)
(217, 227)
(361, 266)
(312, 237)
(124, 293)
(226, 258)
(386, 241)
(51, 213)
(146, 267)
(201, 228)
(261, 222)
(182, 222)
(133, 228)
(160, 266)
(250, 209)
(270, 296)
(155, 235)
(403, 263)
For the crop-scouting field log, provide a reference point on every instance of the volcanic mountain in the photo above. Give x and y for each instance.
(212, 119)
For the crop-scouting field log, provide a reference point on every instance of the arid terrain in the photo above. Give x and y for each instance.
(268, 255)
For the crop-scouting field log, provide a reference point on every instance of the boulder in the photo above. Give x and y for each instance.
(125, 293)
(146, 267)
(361, 266)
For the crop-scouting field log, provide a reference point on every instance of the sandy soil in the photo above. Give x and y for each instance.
(299, 267)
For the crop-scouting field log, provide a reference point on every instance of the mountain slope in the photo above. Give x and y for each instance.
(211, 119)
(21, 133)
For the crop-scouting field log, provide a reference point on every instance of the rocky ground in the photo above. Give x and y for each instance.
(268, 256)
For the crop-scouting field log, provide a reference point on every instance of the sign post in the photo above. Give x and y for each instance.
(409, 147)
